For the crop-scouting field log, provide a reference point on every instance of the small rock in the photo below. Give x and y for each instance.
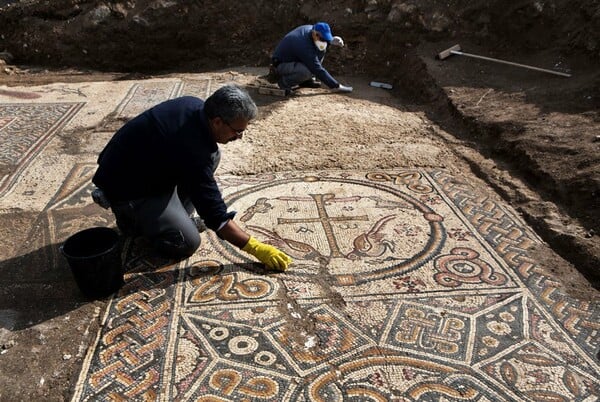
(162, 4)
(6, 56)
(371, 6)
(119, 10)
(439, 23)
(140, 20)
(7, 345)
(99, 14)
(402, 11)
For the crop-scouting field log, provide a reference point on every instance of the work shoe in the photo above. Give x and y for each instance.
(286, 91)
(312, 83)
(273, 76)
(100, 199)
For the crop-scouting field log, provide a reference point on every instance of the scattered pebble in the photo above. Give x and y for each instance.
(7, 345)
(311, 341)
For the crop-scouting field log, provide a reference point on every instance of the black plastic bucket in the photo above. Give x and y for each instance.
(94, 256)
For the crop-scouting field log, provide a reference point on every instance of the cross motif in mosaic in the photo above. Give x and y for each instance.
(404, 285)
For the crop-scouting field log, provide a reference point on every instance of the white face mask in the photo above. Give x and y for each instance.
(321, 45)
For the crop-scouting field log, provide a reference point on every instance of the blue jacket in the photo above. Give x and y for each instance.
(166, 146)
(298, 46)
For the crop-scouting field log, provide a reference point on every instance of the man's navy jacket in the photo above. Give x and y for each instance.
(166, 146)
(298, 46)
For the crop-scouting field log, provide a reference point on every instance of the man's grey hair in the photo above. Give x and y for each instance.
(229, 103)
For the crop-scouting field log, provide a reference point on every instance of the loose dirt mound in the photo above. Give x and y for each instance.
(164, 35)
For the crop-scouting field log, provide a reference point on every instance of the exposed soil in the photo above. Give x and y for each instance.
(540, 128)
(533, 136)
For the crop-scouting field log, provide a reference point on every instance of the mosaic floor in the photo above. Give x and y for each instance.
(407, 285)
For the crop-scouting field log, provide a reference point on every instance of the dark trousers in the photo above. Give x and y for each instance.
(291, 74)
(163, 219)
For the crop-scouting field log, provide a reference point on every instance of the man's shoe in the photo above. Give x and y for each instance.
(312, 83)
(285, 90)
(100, 199)
(273, 76)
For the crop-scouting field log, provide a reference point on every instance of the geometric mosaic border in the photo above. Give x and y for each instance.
(466, 316)
(25, 129)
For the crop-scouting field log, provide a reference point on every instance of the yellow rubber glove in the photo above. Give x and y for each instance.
(267, 254)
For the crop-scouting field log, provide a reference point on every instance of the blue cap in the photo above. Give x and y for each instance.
(323, 29)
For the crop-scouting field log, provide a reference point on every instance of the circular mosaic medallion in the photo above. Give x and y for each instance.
(333, 223)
